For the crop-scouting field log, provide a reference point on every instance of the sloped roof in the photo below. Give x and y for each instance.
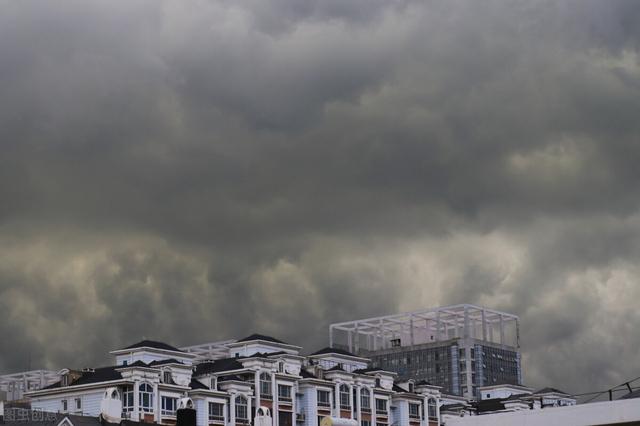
(225, 364)
(195, 384)
(153, 344)
(631, 395)
(550, 390)
(256, 336)
(328, 350)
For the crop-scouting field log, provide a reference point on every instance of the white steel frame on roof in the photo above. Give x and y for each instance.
(428, 325)
(16, 384)
(212, 350)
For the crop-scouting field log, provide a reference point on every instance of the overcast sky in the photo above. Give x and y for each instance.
(197, 170)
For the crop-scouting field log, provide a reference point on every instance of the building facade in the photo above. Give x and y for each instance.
(459, 348)
(255, 380)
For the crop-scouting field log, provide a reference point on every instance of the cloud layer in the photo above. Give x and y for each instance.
(194, 171)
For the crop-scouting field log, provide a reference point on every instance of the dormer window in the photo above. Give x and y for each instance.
(214, 383)
(166, 377)
(281, 367)
(378, 382)
(65, 380)
(265, 386)
(411, 386)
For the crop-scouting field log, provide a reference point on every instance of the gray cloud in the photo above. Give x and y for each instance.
(198, 171)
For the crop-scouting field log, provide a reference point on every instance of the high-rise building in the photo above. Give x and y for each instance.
(459, 348)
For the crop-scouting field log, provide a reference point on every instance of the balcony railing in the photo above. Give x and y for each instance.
(171, 413)
(214, 418)
(324, 404)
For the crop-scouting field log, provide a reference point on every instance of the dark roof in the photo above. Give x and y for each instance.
(195, 384)
(165, 361)
(306, 375)
(229, 378)
(261, 337)
(103, 374)
(488, 405)
(328, 350)
(367, 370)
(225, 364)
(153, 344)
(550, 390)
(397, 388)
(424, 383)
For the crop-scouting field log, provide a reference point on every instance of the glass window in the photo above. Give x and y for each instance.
(344, 397)
(284, 392)
(414, 411)
(285, 418)
(265, 385)
(146, 398)
(166, 377)
(324, 398)
(168, 406)
(365, 423)
(365, 399)
(216, 412)
(432, 408)
(381, 406)
(127, 399)
(78, 404)
(64, 406)
(241, 408)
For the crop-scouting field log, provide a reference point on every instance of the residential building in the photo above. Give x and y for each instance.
(257, 380)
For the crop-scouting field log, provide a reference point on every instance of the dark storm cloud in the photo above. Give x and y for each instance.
(199, 171)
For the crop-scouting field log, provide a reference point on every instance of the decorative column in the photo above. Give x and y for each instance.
(336, 400)
(156, 403)
(257, 387)
(232, 409)
(135, 414)
(351, 406)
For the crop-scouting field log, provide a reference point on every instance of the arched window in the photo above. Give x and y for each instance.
(432, 408)
(146, 397)
(127, 399)
(344, 397)
(365, 399)
(241, 408)
(265, 386)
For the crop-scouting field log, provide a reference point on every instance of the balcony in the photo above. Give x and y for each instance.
(324, 404)
(216, 419)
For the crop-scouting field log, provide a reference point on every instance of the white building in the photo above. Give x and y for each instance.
(230, 383)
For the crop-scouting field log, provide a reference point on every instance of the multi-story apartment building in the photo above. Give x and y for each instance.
(236, 382)
(459, 348)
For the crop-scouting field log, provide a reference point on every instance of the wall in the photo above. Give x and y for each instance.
(597, 413)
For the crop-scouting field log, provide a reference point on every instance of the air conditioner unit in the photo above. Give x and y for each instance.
(300, 417)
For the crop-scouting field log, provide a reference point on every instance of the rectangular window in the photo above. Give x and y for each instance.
(78, 404)
(127, 399)
(216, 412)
(168, 406)
(414, 411)
(365, 423)
(285, 418)
(64, 406)
(381, 406)
(284, 393)
(324, 398)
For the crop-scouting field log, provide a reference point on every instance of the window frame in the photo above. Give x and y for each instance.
(215, 417)
(365, 395)
(241, 403)
(345, 396)
(165, 410)
(146, 394)
(265, 385)
(384, 404)
(287, 395)
(326, 403)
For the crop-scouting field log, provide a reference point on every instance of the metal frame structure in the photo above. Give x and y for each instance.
(16, 384)
(212, 350)
(428, 326)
